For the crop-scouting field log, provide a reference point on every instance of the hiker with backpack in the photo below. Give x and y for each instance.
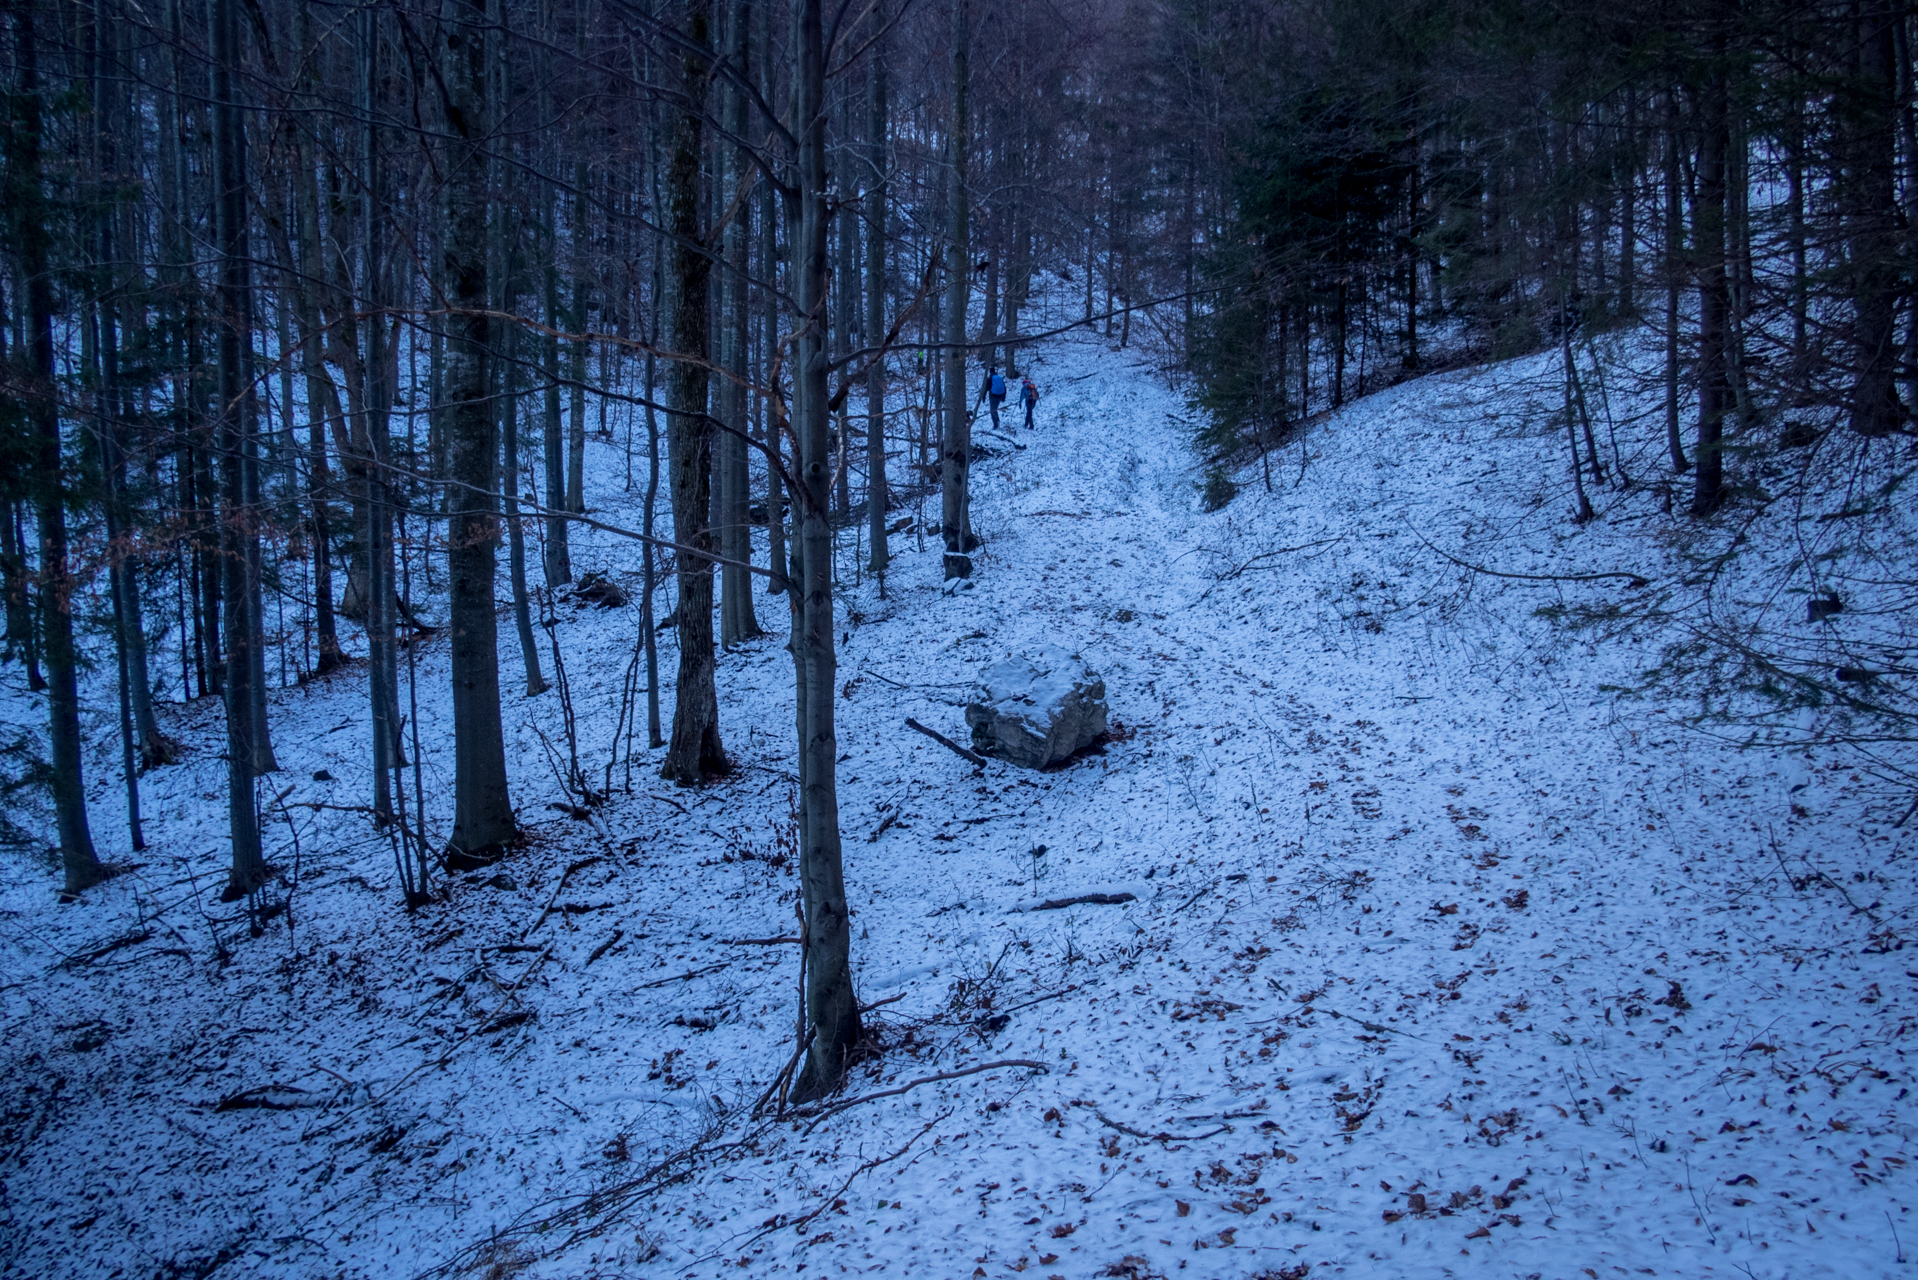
(1028, 396)
(994, 391)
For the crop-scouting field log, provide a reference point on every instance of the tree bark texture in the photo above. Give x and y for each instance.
(955, 511)
(876, 299)
(695, 752)
(248, 870)
(25, 212)
(1714, 298)
(832, 1010)
(483, 823)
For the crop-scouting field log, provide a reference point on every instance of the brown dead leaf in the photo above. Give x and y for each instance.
(1060, 1230)
(1480, 1234)
(1184, 1209)
(1048, 1259)
(1446, 910)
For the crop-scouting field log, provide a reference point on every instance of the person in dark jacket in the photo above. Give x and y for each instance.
(1028, 396)
(995, 392)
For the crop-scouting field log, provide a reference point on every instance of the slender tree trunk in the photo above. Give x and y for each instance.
(515, 535)
(738, 620)
(876, 299)
(576, 351)
(559, 556)
(1714, 302)
(14, 575)
(322, 399)
(1628, 213)
(832, 1010)
(990, 334)
(845, 294)
(695, 752)
(955, 522)
(483, 823)
(1872, 223)
(1800, 374)
(1674, 280)
(776, 553)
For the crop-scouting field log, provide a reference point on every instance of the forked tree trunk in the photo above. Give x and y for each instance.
(832, 1011)
(695, 752)
(483, 822)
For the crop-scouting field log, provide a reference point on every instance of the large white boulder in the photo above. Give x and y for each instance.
(1037, 708)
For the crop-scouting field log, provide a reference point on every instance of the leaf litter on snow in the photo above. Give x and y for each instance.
(1425, 952)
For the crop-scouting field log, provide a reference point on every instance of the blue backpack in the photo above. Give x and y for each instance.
(998, 384)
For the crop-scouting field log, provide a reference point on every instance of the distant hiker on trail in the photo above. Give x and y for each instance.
(1028, 396)
(995, 392)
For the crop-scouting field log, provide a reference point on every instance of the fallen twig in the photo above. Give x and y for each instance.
(882, 828)
(946, 742)
(1158, 1137)
(559, 888)
(755, 942)
(1194, 898)
(605, 946)
(1633, 580)
(1373, 1027)
(447, 1054)
(682, 977)
(779, 1221)
(1266, 555)
(837, 1107)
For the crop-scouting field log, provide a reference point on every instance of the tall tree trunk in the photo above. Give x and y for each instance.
(1872, 222)
(576, 351)
(515, 534)
(322, 395)
(695, 752)
(955, 515)
(1798, 380)
(483, 821)
(1628, 213)
(14, 581)
(992, 235)
(249, 870)
(738, 620)
(845, 293)
(776, 552)
(1674, 280)
(832, 1010)
(876, 298)
(559, 556)
(1714, 301)
(25, 212)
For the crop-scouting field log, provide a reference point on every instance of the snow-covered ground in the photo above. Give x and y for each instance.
(1446, 957)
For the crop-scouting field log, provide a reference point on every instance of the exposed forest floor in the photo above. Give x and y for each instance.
(1445, 955)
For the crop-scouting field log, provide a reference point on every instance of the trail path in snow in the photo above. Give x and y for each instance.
(1440, 961)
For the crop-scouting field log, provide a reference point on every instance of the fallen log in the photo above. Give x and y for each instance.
(1084, 899)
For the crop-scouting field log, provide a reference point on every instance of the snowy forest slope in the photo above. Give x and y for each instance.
(1451, 950)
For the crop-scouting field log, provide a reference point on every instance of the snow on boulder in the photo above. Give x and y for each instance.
(1038, 708)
